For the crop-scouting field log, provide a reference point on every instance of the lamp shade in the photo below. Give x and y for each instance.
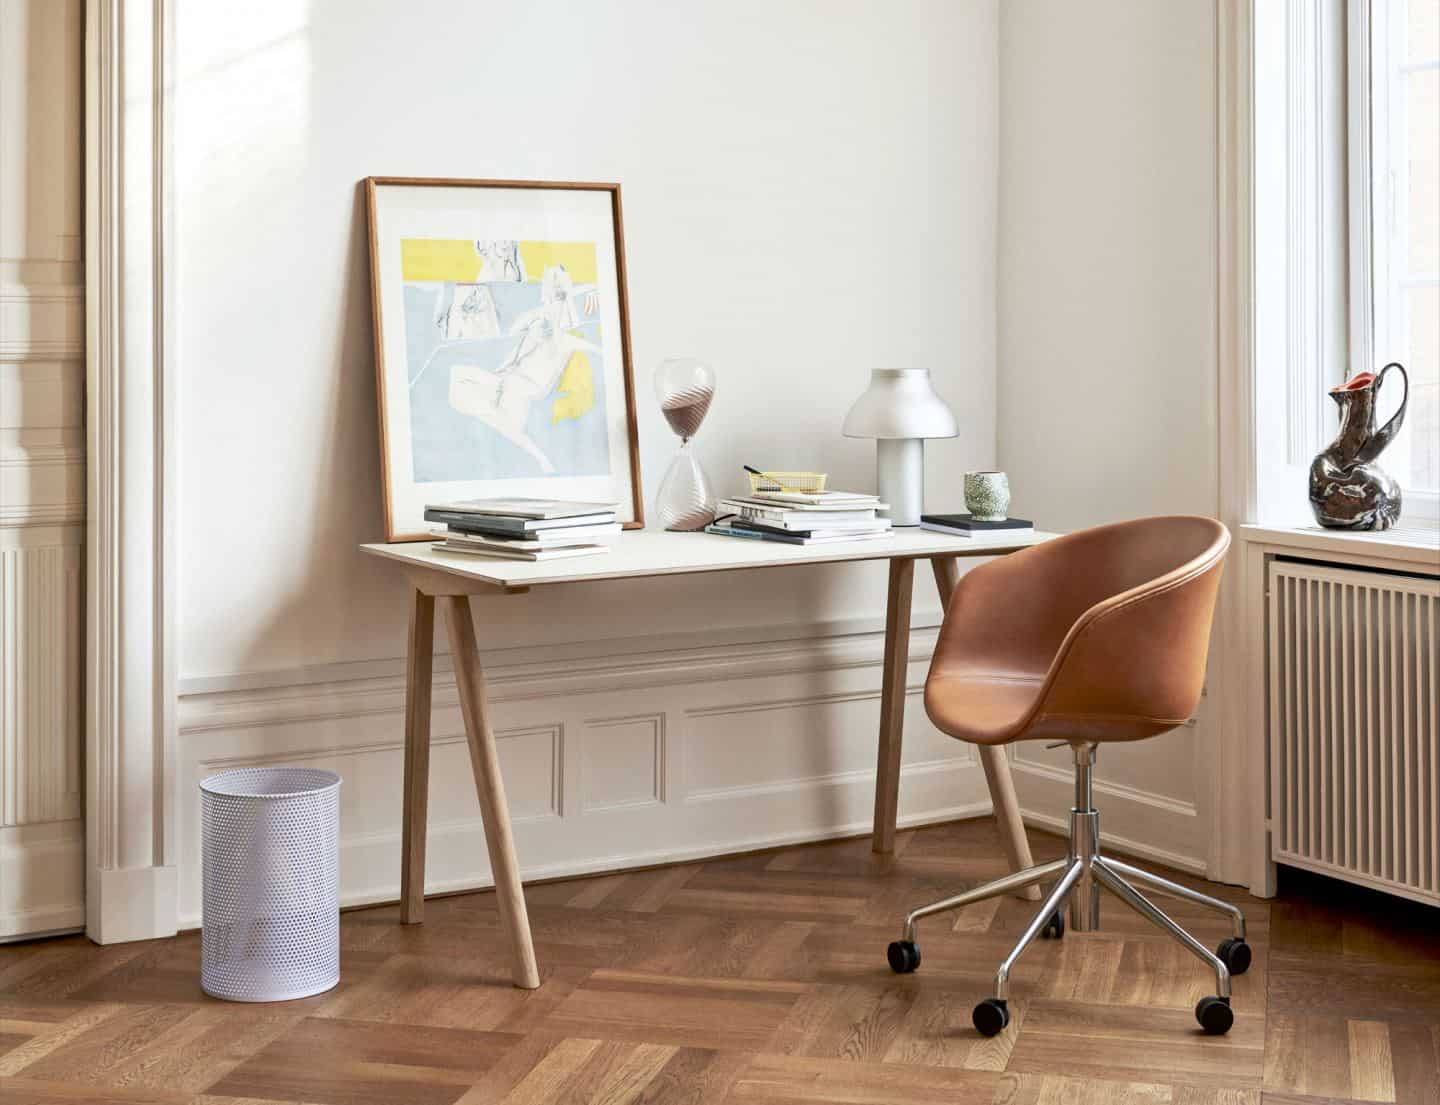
(900, 403)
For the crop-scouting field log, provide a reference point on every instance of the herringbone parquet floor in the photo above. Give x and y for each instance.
(758, 980)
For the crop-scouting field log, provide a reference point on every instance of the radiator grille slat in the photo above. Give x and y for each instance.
(1355, 740)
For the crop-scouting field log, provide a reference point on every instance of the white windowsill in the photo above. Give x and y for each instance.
(1410, 546)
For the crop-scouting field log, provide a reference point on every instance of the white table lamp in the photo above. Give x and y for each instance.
(900, 409)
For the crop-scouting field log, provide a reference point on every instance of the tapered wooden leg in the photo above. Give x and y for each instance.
(992, 758)
(485, 761)
(417, 758)
(892, 703)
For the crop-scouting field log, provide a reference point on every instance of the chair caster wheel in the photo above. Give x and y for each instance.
(1215, 1015)
(990, 1017)
(904, 956)
(1055, 927)
(1235, 954)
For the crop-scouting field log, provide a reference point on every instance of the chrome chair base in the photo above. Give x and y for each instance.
(1078, 878)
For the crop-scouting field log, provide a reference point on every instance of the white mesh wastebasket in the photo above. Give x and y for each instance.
(271, 846)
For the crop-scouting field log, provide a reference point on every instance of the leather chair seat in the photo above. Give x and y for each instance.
(1099, 635)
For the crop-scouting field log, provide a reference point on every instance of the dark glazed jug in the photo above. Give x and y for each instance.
(1348, 490)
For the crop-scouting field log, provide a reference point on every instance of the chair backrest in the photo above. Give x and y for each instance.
(1116, 620)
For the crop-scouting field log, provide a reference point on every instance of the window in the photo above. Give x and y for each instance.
(1399, 288)
(1345, 235)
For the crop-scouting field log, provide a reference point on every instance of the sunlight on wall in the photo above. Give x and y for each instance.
(243, 84)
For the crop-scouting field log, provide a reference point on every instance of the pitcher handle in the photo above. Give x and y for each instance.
(1383, 435)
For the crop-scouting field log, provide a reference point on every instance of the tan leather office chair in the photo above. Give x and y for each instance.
(1097, 636)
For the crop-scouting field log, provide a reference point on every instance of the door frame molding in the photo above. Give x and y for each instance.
(130, 472)
(1237, 853)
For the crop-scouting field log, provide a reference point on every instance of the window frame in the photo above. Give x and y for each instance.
(1375, 110)
(1300, 265)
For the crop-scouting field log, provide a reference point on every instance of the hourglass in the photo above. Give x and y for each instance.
(685, 388)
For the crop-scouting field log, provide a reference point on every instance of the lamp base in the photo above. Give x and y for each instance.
(900, 478)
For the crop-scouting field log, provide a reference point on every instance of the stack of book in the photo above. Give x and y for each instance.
(801, 517)
(525, 529)
(963, 525)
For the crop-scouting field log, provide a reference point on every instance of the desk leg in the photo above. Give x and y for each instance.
(892, 703)
(417, 758)
(992, 758)
(499, 840)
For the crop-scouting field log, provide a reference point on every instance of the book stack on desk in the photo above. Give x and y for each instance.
(801, 517)
(525, 529)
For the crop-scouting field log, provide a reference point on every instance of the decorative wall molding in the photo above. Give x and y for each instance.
(40, 606)
(1237, 846)
(618, 751)
(131, 489)
(52, 514)
(42, 469)
(42, 322)
(339, 691)
(726, 748)
(42, 879)
(595, 765)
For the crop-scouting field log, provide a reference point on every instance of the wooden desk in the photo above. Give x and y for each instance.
(454, 577)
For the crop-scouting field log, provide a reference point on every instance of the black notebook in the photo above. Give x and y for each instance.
(964, 523)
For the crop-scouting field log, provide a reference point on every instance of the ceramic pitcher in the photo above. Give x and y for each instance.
(1348, 490)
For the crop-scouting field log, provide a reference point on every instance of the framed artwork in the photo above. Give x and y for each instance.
(502, 345)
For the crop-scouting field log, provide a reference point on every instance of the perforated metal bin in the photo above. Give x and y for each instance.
(271, 848)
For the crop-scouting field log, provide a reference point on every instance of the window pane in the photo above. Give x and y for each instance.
(1422, 419)
(1424, 172)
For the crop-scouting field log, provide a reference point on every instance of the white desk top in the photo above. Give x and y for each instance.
(656, 553)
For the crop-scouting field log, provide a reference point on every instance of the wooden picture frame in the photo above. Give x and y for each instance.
(509, 285)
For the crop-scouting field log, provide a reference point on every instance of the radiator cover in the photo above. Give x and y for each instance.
(1354, 750)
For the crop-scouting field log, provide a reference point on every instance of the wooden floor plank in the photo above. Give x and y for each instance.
(756, 980)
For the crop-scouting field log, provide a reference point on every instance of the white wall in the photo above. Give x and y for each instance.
(809, 192)
(1106, 357)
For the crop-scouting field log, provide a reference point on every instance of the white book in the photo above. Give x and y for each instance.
(523, 554)
(537, 539)
(725, 529)
(804, 525)
(828, 538)
(817, 508)
(786, 518)
(839, 499)
(524, 508)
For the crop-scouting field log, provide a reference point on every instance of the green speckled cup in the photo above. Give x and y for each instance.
(987, 496)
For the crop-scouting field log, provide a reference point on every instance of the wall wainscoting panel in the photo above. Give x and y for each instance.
(600, 775)
(616, 758)
(42, 845)
(623, 763)
(42, 321)
(42, 878)
(42, 466)
(40, 649)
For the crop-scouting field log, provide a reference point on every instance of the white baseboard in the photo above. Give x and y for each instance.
(130, 903)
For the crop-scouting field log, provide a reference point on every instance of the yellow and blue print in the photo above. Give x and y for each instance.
(504, 359)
